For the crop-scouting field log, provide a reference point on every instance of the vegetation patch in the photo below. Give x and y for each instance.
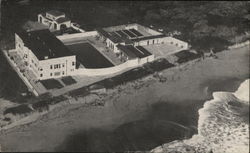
(41, 106)
(18, 110)
(51, 84)
(68, 80)
(79, 92)
(136, 73)
(185, 56)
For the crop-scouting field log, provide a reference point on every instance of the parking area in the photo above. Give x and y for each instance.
(89, 56)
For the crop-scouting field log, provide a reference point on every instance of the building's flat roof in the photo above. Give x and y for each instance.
(134, 52)
(62, 19)
(127, 51)
(55, 13)
(113, 38)
(148, 37)
(43, 43)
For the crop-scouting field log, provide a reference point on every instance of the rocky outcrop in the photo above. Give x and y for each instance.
(223, 126)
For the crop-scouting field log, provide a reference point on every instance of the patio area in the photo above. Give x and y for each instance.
(162, 50)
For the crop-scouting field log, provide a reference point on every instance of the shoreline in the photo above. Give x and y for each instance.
(130, 100)
(223, 125)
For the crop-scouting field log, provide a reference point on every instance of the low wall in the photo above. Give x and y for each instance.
(148, 30)
(76, 28)
(176, 41)
(121, 27)
(246, 43)
(77, 35)
(112, 70)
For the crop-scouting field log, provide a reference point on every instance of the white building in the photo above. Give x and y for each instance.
(126, 40)
(55, 20)
(45, 55)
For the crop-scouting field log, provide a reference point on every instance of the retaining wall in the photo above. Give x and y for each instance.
(115, 69)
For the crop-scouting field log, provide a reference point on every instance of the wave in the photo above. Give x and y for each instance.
(223, 125)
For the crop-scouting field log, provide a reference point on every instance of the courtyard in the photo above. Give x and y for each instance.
(162, 50)
(89, 56)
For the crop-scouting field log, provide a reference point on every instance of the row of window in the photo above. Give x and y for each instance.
(55, 74)
(58, 66)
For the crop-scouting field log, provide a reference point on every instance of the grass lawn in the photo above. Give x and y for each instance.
(51, 84)
(21, 109)
(68, 80)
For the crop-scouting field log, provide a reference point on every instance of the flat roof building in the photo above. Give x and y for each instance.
(45, 55)
(54, 19)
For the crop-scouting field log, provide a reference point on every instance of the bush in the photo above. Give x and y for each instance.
(41, 106)
(51, 84)
(68, 80)
(18, 110)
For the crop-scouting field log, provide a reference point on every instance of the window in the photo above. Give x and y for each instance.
(148, 42)
(40, 19)
(51, 74)
(41, 75)
(63, 65)
(73, 63)
(57, 73)
(153, 41)
(51, 66)
(63, 73)
(56, 66)
(41, 69)
(55, 26)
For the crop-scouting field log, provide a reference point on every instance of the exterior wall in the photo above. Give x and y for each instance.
(68, 24)
(42, 69)
(174, 41)
(148, 30)
(115, 69)
(49, 69)
(76, 28)
(121, 27)
(169, 40)
(112, 45)
(27, 55)
(77, 35)
(50, 16)
(45, 21)
(50, 22)
(107, 71)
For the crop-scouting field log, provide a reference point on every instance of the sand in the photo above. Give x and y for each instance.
(184, 86)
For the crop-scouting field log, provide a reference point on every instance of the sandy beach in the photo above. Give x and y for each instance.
(194, 82)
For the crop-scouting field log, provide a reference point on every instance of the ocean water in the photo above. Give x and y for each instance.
(223, 125)
(164, 122)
